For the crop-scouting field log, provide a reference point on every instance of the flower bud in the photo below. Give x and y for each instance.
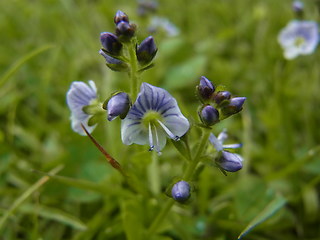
(146, 50)
(110, 43)
(234, 106)
(209, 115)
(114, 63)
(117, 105)
(181, 191)
(125, 31)
(230, 162)
(297, 7)
(222, 96)
(205, 89)
(120, 16)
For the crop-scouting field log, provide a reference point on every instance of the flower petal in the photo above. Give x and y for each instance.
(76, 125)
(78, 96)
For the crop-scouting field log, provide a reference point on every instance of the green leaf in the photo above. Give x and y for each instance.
(27, 194)
(54, 214)
(21, 61)
(185, 73)
(266, 213)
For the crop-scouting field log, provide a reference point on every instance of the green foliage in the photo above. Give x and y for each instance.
(45, 45)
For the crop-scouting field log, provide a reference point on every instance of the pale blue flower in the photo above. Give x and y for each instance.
(153, 117)
(79, 96)
(164, 24)
(226, 160)
(299, 38)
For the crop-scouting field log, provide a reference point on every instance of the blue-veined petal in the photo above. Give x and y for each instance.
(168, 121)
(78, 96)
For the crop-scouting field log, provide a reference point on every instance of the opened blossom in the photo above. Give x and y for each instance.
(153, 117)
(226, 160)
(79, 96)
(299, 38)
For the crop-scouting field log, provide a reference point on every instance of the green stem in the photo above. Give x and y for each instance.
(162, 214)
(196, 159)
(133, 68)
(187, 176)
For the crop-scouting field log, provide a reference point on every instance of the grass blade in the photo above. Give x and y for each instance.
(54, 214)
(27, 194)
(267, 212)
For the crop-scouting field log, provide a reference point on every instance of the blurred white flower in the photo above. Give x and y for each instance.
(299, 38)
(79, 96)
(164, 24)
(154, 116)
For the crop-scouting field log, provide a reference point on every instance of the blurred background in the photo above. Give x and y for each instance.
(45, 45)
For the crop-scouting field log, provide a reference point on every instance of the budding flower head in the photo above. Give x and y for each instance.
(120, 16)
(146, 50)
(181, 191)
(110, 43)
(209, 115)
(234, 106)
(117, 105)
(205, 89)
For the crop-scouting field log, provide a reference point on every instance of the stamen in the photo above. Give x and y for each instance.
(150, 138)
(170, 134)
(157, 140)
(235, 145)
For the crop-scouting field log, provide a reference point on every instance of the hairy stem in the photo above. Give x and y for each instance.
(133, 74)
(187, 176)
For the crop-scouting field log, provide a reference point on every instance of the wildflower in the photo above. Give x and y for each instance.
(154, 116)
(209, 115)
(164, 24)
(299, 38)
(146, 50)
(79, 96)
(110, 43)
(205, 89)
(230, 162)
(181, 191)
(234, 106)
(222, 97)
(118, 105)
(297, 7)
(120, 16)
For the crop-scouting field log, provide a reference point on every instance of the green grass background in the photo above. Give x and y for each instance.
(45, 45)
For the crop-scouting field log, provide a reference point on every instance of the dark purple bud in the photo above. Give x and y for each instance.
(120, 16)
(146, 51)
(230, 162)
(234, 106)
(297, 7)
(205, 89)
(209, 115)
(117, 105)
(110, 43)
(125, 31)
(114, 63)
(222, 96)
(181, 191)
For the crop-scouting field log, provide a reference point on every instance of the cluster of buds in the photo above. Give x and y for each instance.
(115, 47)
(216, 105)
